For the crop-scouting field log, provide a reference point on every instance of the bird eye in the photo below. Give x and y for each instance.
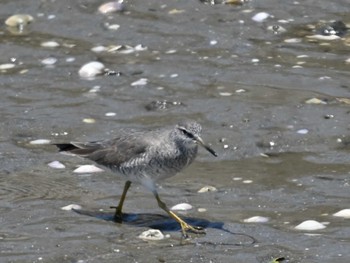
(186, 133)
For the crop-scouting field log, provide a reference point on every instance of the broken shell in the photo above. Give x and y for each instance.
(19, 20)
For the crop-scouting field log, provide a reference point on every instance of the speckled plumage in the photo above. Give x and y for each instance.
(144, 156)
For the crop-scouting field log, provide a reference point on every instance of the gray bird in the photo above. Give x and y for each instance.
(145, 157)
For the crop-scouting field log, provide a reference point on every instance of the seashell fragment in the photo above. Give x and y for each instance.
(152, 235)
(19, 20)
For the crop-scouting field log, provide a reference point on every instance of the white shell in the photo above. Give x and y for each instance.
(50, 44)
(7, 66)
(91, 69)
(71, 207)
(140, 82)
(182, 207)
(56, 165)
(256, 219)
(40, 141)
(310, 225)
(343, 213)
(88, 168)
(260, 17)
(152, 235)
(207, 188)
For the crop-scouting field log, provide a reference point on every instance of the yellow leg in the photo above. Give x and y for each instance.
(118, 212)
(184, 226)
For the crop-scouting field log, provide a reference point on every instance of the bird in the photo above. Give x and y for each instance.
(145, 157)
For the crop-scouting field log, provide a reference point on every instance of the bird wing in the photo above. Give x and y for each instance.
(108, 152)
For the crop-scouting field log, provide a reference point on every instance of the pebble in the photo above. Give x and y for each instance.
(310, 225)
(182, 207)
(140, 82)
(19, 20)
(88, 168)
(40, 141)
(345, 213)
(50, 44)
(207, 189)
(201, 210)
(152, 235)
(71, 207)
(256, 219)
(91, 69)
(56, 165)
(260, 17)
(7, 66)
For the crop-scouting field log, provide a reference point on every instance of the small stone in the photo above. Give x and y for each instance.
(207, 189)
(56, 165)
(71, 207)
(182, 207)
(310, 225)
(152, 235)
(256, 219)
(345, 213)
(40, 141)
(202, 210)
(91, 69)
(88, 168)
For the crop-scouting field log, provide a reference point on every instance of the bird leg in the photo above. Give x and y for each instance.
(184, 226)
(118, 216)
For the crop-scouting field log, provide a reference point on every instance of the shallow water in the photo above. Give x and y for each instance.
(279, 156)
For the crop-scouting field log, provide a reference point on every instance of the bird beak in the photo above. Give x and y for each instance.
(208, 148)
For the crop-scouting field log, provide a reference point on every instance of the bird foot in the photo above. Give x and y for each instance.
(118, 215)
(186, 228)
